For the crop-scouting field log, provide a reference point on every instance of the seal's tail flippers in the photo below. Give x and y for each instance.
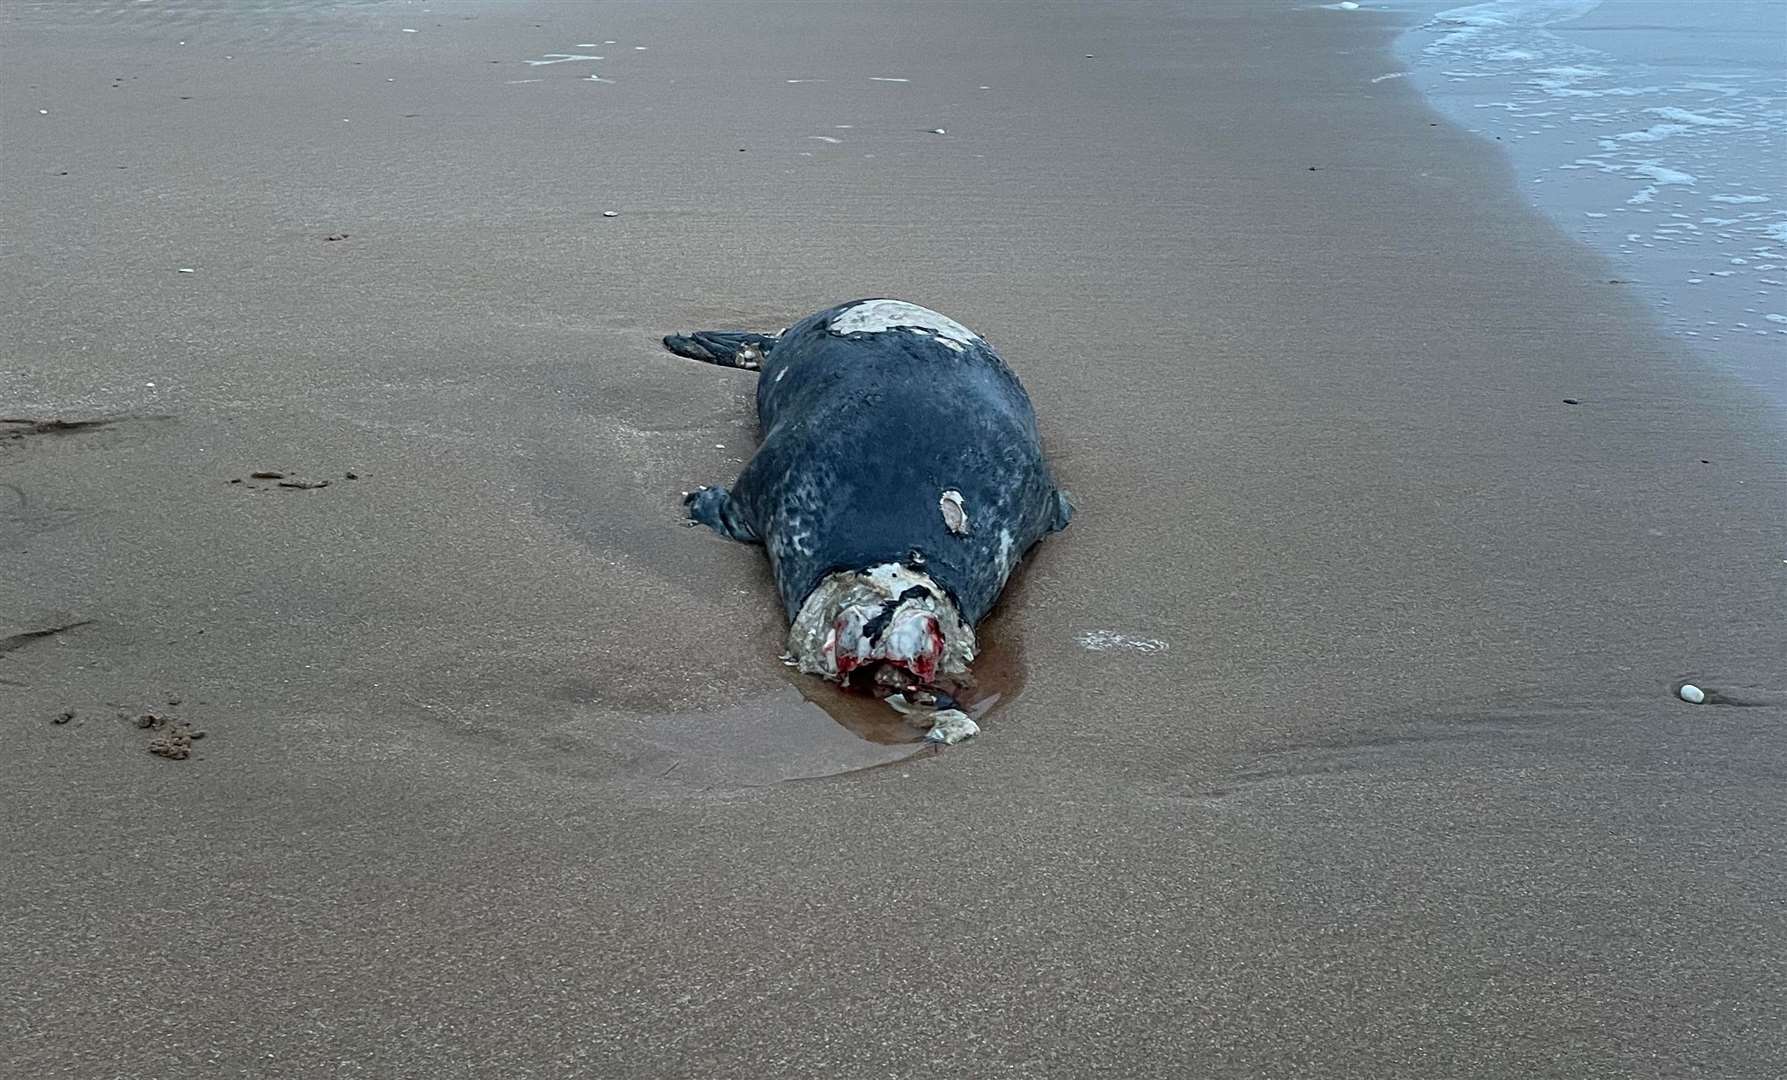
(726, 348)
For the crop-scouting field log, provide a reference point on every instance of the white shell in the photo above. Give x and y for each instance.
(1692, 694)
(611, 213)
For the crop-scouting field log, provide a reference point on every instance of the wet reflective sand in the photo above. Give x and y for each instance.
(1338, 736)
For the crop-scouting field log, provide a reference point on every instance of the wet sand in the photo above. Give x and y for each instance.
(493, 775)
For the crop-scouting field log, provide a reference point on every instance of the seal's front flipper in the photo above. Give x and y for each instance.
(725, 348)
(713, 507)
(1063, 511)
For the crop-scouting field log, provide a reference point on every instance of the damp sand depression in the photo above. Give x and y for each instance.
(1343, 734)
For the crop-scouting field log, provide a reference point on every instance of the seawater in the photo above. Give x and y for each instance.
(1651, 130)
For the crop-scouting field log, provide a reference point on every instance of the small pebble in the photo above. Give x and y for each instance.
(1692, 694)
(185, 270)
(938, 131)
(611, 213)
(64, 717)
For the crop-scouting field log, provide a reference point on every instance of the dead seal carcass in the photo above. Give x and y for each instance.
(899, 481)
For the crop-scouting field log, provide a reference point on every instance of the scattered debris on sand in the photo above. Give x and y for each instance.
(17, 427)
(288, 480)
(937, 713)
(173, 738)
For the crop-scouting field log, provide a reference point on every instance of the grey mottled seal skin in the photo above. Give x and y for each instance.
(899, 452)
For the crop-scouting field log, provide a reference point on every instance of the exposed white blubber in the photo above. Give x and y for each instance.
(842, 603)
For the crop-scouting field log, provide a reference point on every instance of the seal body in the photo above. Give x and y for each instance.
(899, 481)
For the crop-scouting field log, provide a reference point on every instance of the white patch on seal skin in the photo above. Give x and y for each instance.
(797, 538)
(1005, 542)
(1106, 640)
(955, 514)
(880, 316)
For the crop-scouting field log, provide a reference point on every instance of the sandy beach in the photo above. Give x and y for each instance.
(1337, 737)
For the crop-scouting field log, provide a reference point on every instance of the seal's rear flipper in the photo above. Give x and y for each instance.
(713, 507)
(734, 349)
